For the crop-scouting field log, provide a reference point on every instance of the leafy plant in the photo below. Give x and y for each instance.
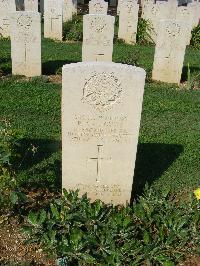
(9, 193)
(156, 230)
(195, 40)
(73, 29)
(144, 32)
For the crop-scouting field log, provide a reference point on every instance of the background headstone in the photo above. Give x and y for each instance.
(98, 7)
(26, 43)
(31, 5)
(98, 34)
(6, 7)
(69, 9)
(53, 19)
(154, 13)
(185, 14)
(128, 20)
(101, 110)
(170, 51)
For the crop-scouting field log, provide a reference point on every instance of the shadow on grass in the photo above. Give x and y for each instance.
(54, 67)
(184, 76)
(37, 160)
(152, 160)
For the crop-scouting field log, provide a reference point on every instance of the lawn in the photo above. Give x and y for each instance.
(157, 229)
(168, 150)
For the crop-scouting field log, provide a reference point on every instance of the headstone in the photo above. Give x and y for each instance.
(98, 7)
(53, 19)
(128, 20)
(185, 14)
(31, 5)
(6, 6)
(195, 9)
(26, 43)
(170, 51)
(69, 9)
(154, 13)
(101, 110)
(172, 6)
(98, 34)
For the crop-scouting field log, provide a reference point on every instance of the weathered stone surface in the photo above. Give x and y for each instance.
(26, 43)
(170, 51)
(31, 5)
(101, 110)
(98, 7)
(6, 6)
(184, 14)
(69, 9)
(98, 34)
(195, 9)
(128, 20)
(53, 19)
(154, 13)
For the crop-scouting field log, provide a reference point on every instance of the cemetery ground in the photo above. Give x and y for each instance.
(162, 227)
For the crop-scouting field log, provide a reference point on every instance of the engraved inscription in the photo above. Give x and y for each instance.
(100, 189)
(173, 29)
(102, 91)
(113, 129)
(98, 24)
(98, 7)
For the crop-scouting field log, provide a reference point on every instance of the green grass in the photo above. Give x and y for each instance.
(168, 152)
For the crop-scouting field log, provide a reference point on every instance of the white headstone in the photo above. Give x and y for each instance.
(69, 9)
(154, 13)
(6, 6)
(170, 51)
(98, 7)
(26, 43)
(101, 110)
(185, 14)
(128, 20)
(53, 19)
(31, 5)
(195, 9)
(98, 34)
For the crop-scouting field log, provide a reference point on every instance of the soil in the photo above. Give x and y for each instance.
(14, 251)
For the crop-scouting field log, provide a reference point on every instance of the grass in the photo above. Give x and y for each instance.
(168, 151)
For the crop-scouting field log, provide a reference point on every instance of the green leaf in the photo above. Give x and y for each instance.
(146, 237)
(42, 217)
(14, 197)
(54, 211)
(32, 218)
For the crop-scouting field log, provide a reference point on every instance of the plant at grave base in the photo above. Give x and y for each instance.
(73, 29)
(195, 40)
(144, 30)
(193, 82)
(10, 194)
(156, 230)
(131, 58)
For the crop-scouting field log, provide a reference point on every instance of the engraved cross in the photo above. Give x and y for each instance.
(99, 160)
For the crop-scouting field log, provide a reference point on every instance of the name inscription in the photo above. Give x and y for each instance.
(111, 129)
